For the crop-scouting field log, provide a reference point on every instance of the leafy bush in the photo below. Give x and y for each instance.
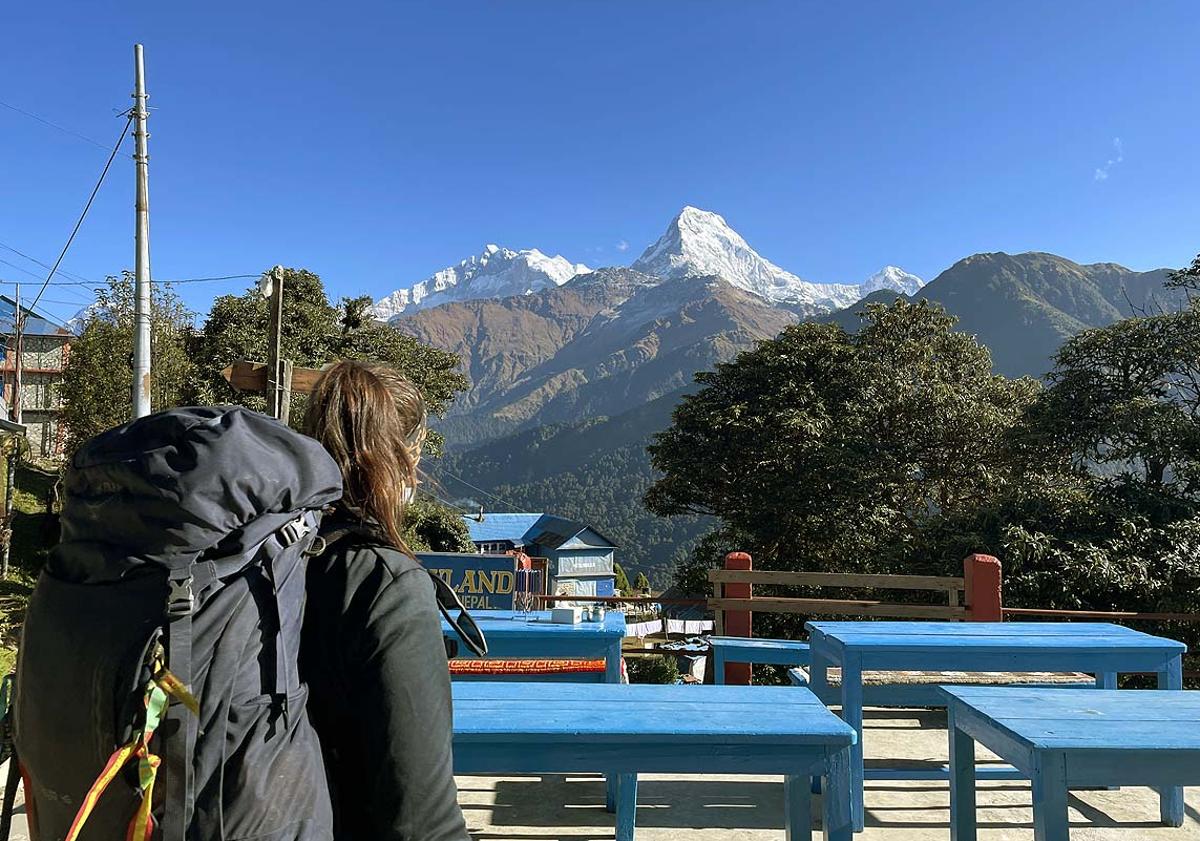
(653, 669)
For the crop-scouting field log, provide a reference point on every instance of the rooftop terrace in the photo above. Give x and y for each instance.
(710, 808)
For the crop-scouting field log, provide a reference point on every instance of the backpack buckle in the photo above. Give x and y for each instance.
(180, 599)
(294, 532)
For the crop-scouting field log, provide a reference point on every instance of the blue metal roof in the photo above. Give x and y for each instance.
(495, 527)
(545, 530)
(35, 325)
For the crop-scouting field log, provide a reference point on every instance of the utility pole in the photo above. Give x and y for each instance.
(18, 331)
(279, 386)
(141, 320)
(13, 448)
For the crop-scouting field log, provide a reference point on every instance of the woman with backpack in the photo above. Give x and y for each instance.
(372, 649)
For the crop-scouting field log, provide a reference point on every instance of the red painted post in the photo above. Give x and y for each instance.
(737, 622)
(981, 576)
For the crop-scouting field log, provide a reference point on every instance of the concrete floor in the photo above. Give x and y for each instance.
(706, 808)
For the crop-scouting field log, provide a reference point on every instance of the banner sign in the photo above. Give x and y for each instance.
(483, 582)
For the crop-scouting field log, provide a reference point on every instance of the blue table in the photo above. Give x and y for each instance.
(510, 634)
(557, 728)
(748, 650)
(1072, 738)
(517, 634)
(1096, 648)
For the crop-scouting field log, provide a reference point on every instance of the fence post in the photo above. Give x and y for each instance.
(982, 580)
(737, 622)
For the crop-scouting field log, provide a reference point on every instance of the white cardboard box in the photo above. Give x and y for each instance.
(566, 615)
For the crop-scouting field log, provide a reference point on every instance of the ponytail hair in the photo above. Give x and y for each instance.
(372, 421)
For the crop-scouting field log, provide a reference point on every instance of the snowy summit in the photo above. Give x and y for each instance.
(495, 273)
(701, 243)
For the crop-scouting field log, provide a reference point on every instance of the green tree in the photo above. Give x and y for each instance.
(620, 581)
(97, 378)
(430, 526)
(641, 583)
(315, 332)
(822, 449)
(1125, 399)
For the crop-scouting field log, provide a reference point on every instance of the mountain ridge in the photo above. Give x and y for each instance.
(697, 243)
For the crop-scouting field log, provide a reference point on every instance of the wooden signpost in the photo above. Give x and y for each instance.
(245, 375)
(277, 377)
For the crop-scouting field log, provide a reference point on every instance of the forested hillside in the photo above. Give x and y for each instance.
(595, 470)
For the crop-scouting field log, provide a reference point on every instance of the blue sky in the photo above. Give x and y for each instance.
(377, 142)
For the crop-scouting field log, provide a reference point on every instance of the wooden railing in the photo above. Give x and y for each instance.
(976, 596)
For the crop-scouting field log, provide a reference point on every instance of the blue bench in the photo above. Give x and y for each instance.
(858, 648)
(1067, 738)
(563, 728)
(748, 650)
(923, 688)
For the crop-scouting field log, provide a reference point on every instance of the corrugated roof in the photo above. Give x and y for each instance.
(546, 530)
(35, 325)
(495, 527)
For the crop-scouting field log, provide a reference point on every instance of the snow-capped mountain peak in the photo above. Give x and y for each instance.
(700, 242)
(496, 272)
(893, 278)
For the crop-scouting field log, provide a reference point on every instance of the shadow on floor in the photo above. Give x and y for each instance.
(577, 801)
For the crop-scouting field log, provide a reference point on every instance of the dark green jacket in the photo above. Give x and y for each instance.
(375, 662)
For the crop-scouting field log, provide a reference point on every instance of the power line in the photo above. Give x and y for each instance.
(56, 126)
(95, 284)
(208, 279)
(481, 490)
(32, 259)
(112, 156)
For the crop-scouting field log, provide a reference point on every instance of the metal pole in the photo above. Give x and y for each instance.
(9, 490)
(274, 332)
(18, 329)
(141, 321)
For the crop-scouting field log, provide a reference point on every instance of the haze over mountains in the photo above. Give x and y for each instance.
(572, 370)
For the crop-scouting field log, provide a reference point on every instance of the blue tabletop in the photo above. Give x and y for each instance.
(513, 622)
(645, 712)
(989, 636)
(1073, 719)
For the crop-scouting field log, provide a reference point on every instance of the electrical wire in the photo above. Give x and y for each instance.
(86, 208)
(480, 490)
(35, 260)
(56, 126)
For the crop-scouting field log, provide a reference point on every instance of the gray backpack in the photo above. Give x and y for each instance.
(158, 694)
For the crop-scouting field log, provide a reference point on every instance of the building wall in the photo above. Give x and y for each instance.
(42, 360)
(574, 562)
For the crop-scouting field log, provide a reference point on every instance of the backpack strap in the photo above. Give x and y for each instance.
(449, 604)
(179, 749)
(185, 584)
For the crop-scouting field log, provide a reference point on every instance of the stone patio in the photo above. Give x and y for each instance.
(706, 808)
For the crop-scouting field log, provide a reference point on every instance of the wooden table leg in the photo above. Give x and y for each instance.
(626, 806)
(718, 665)
(962, 782)
(1049, 797)
(835, 804)
(1170, 799)
(797, 808)
(852, 714)
(1106, 680)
